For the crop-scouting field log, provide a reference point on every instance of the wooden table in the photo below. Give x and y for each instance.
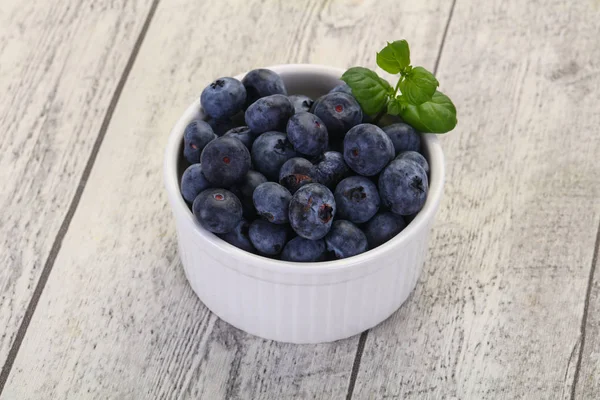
(93, 300)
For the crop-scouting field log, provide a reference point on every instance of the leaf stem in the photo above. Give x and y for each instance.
(397, 86)
(380, 114)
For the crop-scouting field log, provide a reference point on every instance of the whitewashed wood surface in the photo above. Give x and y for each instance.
(60, 64)
(498, 311)
(503, 298)
(117, 318)
(588, 376)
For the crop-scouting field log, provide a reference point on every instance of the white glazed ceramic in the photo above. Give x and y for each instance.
(300, 302)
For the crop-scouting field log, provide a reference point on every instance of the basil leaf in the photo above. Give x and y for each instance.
(368, 88)
(419, 85)
(437, 115)
(388, 88)
(395, 106)
(394, 57)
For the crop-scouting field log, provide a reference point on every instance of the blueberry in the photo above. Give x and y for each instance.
(382, 227)
(367, 149)
(304, 250)
(239, 237)
(312, 210)
(217, 210)
(243, 134)
(301, 102)
(403, 187)
(196, 136)
(268, 238)
(404, 137)
(339, 111)
(250, 182)
(357, 199)
(416, 157)
(272, 201)
(307, 133)
(244, 190)
(221, 126)
(261, 83)
(331, 169)
(345, 239)
(223, 98)
(388, 119)
(225, 161)
(269, 113)
(295, 173)
(342, 88)
(269, 151)
(193, 182)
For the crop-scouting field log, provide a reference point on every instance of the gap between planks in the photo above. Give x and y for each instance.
(584, 317)
(64, 227)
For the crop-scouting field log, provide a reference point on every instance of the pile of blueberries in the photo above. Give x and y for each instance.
(295, 179)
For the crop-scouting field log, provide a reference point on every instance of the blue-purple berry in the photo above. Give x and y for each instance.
(269, 113)
(403, 136)
(382, 227)
(221, 126)
(339, 111)
(217, 210)
(307, 133)
(301, 103)
(403, 187)
(295, 173)
(269, 152)
(416, 157)
(312, 210)
(357, 199)
(300, 249)
(223, 98)
(197, 135)
(243, 134)
(367, 149)
(268, 238)
(271, 201)
(262, 82)
(343, 88)
(346, 240)
(244, 190)
(193, 182)
(225, 161)
(239, 237)
(331, 169)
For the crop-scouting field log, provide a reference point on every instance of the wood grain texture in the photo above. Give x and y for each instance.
(498, 310)
(117, 319)
(59, 66)
(588, 377)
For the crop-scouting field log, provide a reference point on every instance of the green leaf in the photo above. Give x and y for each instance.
(395, 106)
(388, 87)
(368, 88)
(419, 85)
(437, 115)
(394, 57)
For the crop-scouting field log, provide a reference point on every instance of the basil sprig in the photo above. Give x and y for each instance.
(415, 97)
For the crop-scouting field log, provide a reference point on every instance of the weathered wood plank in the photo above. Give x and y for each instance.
(59, 66)
(498, 310)
(588, 378)
(117, 319)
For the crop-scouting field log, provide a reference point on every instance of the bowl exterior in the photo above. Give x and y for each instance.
(294, 302)
(272, 308)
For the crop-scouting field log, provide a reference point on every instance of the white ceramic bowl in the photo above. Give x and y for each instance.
(300, 302)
